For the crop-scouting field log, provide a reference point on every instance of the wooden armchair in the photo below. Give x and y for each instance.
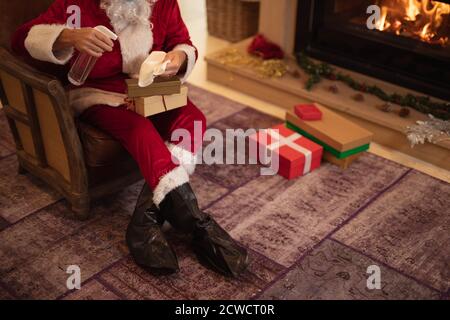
(79, 161)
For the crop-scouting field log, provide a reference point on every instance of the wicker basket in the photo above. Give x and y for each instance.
(232, 20)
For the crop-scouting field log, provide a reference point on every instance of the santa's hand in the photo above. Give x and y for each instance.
(130, 104)
(177, 64)
(86, 40)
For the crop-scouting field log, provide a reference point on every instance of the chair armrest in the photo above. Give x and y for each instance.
(26, 73)
(47, 113)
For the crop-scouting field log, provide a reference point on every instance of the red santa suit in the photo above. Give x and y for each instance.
(100, 101)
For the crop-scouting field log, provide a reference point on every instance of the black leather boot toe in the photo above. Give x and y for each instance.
(215, 248)
(212, 244)
(147, 242)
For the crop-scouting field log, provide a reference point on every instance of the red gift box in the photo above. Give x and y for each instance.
(296, 154)
(308, 112)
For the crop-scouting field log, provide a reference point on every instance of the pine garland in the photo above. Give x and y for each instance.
(424, 104)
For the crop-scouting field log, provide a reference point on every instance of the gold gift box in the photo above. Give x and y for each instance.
(149, 106)
(161, 86)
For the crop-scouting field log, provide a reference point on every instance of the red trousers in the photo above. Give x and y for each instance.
(145, 138)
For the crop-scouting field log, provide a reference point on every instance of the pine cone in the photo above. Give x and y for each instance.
(404, 112)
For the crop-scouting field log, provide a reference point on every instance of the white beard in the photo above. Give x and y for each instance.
(126, 12)
(131, 22)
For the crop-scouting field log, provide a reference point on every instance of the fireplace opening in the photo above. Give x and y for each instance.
(424, 20)
(408, 43)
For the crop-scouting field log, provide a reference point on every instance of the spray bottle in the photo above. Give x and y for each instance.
(85, 63)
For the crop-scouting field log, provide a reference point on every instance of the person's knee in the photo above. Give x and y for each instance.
(141, 128)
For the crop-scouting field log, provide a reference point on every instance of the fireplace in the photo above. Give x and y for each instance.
(336, 31)
(409, 44)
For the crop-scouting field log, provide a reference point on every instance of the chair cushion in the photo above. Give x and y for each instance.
(105, 157)
(100, 149)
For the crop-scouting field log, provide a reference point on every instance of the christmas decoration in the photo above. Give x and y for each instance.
(404, 112)
(160, 86)
(358, 97)
(424, 104)
(265, 49)
(334, 133)
(296, 154)
(385, 107)
(295, 73)
(148, 106)
(333, 88)
(308, 112)
(433, 130)
(274, 68)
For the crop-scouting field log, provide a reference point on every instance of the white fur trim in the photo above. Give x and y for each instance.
(40, 40)
(168, 182)
(81, 99)
(183, 157)
(191, 59)
(136, 41)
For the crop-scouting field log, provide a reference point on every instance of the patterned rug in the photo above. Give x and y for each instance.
(311, 238)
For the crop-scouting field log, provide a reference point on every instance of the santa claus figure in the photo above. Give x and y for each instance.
(142, 26)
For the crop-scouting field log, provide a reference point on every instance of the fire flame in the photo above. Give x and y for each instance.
(426, 20)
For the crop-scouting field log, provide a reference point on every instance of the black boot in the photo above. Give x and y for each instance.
(146, 241)
(212, 245)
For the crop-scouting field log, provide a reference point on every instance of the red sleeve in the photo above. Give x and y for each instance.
(55, 14)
